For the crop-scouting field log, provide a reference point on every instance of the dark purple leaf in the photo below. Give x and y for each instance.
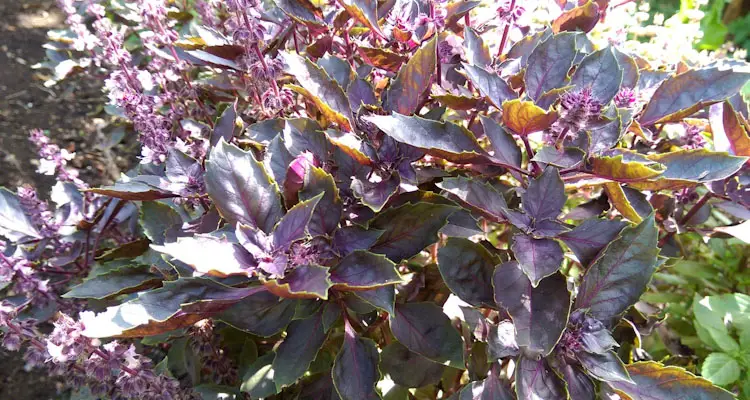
(581, 18)
(408, 229)
(141, 188)
(361, 93)
(490, 388)
(277, 159)
(413, 80)
(241, 189)
(181, 167)
(630, 73)
(258, 381)
(339, 70)
(601, 72)
(177, 304)
(328, 213)
(540, 313)
(504, 147)
(350, 238)
(686, 167)
(366, 12)
(655, 381)
(579, 385)
(303, 134)
(303, 282)
(320, 89)
(424, 329)
(501, 341)
(490, 84)
(569, 157)
(383, 298)
(376, 194)
(545, 196)
(549, 63)
(477, 53)
(407, 368)
(304, 339)
(589, 238)
(548, 228)
(682, 95)
(538, 258)
(227, 126)
(442, 139)
(728, 131)
(207, 255)
(603, 138)
(262, 314)
(14, 223)
(478, 196)
(362, 270)
(467, 268)
(127, 279)
(535, 380)
(606, 367)
(522, 49)
(381, 58)
(618, 277)
(293, 225)
(355, 370)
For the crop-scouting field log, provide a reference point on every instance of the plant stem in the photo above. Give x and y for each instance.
(688, 216)
(507, 30)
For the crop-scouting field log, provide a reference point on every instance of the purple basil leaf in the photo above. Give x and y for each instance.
(478, 196)
(619, 275)
(262, 314)
(538, 258)
(376, 194)
(424, 329)
(241, 189)
(606, 367)
(477, 53)
(522, 49)
(738, 104)
(682, 95)
(478, 324)
(569, 157)
(14, 223)
(535, 379)
(407, 368)
(409, 228)
(441, 139)
(303, 282)
(490, 388)
(490, 85)
(264, 131)
(254, 240)
(320, 389)
(461, 224)
(177, 304)
(293, 225)
(540, 313)
(127, 279)
(630, 73)
(699, 165)
(141, 188)
(383, 298)
(226, 126)
(355, 369)
(362, 270)
(207, 255)
(548, 228)
(467, 268)
(501, 341)
(319, 85)
(304, 134)
(328, 213)
(580, 386)
(258, 380)
(360, 92)
(545, 196)
(336, 68)
(350, 238)
(300, 346)
(549, 63)
(655, 381)
(415, 77)
(589, 238)
(180, 167)
(276, 160)
(601, 72)
(503, 145)
(604, 137)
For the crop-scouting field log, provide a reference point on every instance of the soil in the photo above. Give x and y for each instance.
(72, 114)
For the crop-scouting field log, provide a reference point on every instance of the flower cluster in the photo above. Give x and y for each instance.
(53, 160)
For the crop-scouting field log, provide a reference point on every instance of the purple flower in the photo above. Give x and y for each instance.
(625, 98)
(692, 137)
(53, 159)
(577, 110)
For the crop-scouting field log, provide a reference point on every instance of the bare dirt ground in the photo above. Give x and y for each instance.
(70, 111)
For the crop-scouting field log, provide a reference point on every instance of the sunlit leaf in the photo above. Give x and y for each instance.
(128, 279)
(581, 18)
(413, 80)
(490, 84)
(303, 282)
(524, 117)
(549, 63)
(601, 72)
(655, 381)
(477, 53)
(728, 132)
